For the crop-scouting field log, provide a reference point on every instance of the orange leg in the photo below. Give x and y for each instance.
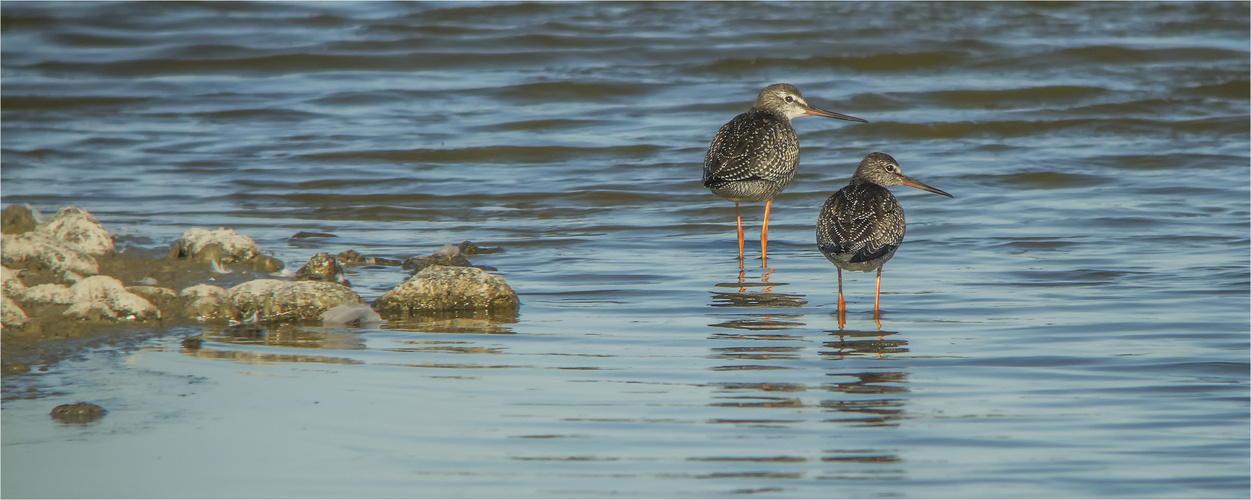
(877, 293)
(738, 218)
(764, 236)
(842, 306)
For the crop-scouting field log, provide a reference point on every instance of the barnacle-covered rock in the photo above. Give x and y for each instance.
(66, 245)
(78, 227)
(273, 300)
(11, 315)
(444, 290)
(165, 299)
(104, 298)
(449, 255)
(206, 303)
(220, 247)
(322, 267)
(350, 258)
(78, 413)
(37, 251)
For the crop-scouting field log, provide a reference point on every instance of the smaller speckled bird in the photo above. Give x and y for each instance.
(754, 156)
(862, 225)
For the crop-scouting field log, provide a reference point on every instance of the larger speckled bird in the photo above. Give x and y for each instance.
(754, 156)
(862, 225)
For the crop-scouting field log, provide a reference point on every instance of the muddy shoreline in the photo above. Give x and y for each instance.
(67, 289)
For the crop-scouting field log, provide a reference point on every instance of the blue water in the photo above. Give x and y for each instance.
(1073, 324)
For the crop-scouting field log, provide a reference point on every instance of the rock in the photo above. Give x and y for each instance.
(14, 368)
(349, 258)
(357, 315)
(17, 219)
(67, 245)
(11, 315)
(104, 298)
(470, 248)
(165, 299)
(273, 300)
(78, 227)
(322, 267)
(449, 255)
(206, 303)
(9, 281)
(47, 293)
(220, 247)
(243, 332)
(193, 342)
(78, 413)
(448, 289)
(38, 251)
(307, 234)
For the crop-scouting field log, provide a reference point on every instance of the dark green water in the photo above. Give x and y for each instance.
(1073, 324)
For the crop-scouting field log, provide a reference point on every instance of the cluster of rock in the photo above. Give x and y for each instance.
(57, 273)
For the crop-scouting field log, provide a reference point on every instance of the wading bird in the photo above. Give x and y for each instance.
(754, 156)
(862, 225)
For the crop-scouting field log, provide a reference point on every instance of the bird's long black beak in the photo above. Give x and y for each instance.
(809, 110)
(908, 181)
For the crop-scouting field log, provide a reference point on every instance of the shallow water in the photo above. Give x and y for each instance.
(1073, 324)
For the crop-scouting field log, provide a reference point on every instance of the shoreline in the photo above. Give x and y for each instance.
(67, 288)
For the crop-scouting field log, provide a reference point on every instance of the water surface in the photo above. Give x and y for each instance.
(1073, 324)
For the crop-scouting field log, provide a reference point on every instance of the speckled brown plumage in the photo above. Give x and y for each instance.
(862, 225)
(754, 156)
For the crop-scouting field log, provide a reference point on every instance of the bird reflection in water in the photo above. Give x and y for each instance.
(853, 406)
(764, 298)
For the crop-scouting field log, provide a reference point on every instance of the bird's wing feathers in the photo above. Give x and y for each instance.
(867, 222)
(745, 147)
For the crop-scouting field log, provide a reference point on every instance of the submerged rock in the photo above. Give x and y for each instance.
(271, 300)
(322, 267)
(349, 258)
(308, 234)
(78, 413)
(448, 289)
(450, 255)
(242, 332)
(471, 248)
(193, 342)
(220, 247)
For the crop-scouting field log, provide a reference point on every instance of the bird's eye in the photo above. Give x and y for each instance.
(790, 98)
